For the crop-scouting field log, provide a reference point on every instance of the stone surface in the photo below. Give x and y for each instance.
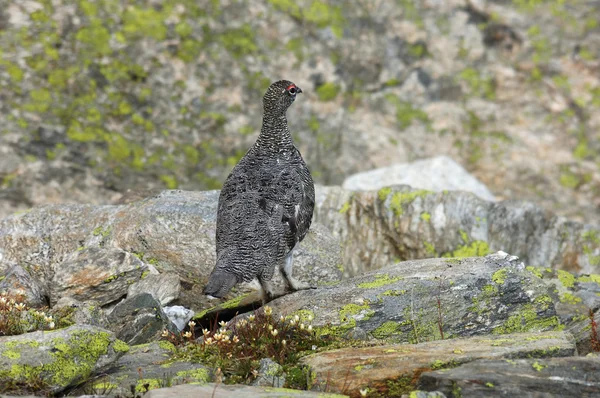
(144, 368)
(227, 391)
(164, 287)
(96, 252)
(60, 358)
(139, 319)
(99, 274)
(558, 377)
(372, 368)
(415, 301)
(18, 282)
(85, 313)
(436, 174)
(270, 374)
(392, 224)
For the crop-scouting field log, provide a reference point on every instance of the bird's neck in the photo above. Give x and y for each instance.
(274, 135)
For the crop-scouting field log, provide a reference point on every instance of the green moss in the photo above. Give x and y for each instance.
(499, 277)
(399, 199)
(566, 278)
(328, 91)
(589, 278)
(386, 329)
(425, 216)
(120, 346)
(429, 248)
(167, 345)
(101, 231)
(383, 193)
(538, 366)
(478, 248)
(144, 385)
(11, 354)
(234, 302)
(535, 271)
(380, 280)
(439, 364)
(394, 293)
(199, 375)
(527, 320)
(489, 385)
(73, 358)
(569, 298)
(345, 208)
(241, 41)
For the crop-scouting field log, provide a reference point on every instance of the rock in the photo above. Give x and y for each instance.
(418, 301)
(173, 232)
(435, 174)
(146, 367)
(98, 274)
(270, 374)
(379, 228)
(179, 315)
(58, 358)
(84, 313)
(379, 368)
(18, 282)
(139, 319)
(236, 390)
(563, 377)
(164, 287)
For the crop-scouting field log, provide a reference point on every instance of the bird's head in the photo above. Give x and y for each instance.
(279, 96)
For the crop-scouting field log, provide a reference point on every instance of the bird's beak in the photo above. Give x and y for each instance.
(299, 90)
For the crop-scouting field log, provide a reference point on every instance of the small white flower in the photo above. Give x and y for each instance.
(314, 347)
(51, 325)
(274, 332)
(222, 324)
(208, 340)
(310, 328)
(165, 333)
(20, 306)
(192, 324)
(205, 331)
(310, 318)
(282, 319)
(297, 318)
(301, 326)
(187, 335)
(283, 342)
(268, 310)
(251, 318)
(363, 393)
(236, 339)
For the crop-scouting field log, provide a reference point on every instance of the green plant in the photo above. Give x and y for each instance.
(17, 318)
(235, 349)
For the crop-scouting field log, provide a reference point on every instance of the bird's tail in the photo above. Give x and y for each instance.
(220, 283)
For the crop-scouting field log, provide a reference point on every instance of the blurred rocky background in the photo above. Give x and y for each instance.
(103, 101)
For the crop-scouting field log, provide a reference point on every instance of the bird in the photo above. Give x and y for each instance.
(265, 206)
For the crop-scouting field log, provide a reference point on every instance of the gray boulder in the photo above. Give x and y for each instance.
(236, 390)
(378, 228)
(553, 377)
(139, 319)
(98, 252)
(58, 358)
(436, 174)
(17, 282)
(164, 287)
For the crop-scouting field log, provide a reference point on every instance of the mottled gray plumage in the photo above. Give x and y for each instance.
(266, 204)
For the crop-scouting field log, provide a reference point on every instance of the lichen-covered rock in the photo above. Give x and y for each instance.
(398, 223)
(560, 377)
(83, 313)
(17, 282)
(418, 301)
(164, 287)
(58, 358)
(98, 274)
(139, 319)
(270, 374)
(436, 174)
(97, 252)
(146, 367)
(235, 390)
(397, 367)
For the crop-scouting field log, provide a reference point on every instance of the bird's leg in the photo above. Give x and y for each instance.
(286, 270)
(267, 290)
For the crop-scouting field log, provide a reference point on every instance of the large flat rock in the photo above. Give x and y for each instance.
(375, 368)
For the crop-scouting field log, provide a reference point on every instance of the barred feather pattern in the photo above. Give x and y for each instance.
(266, 204)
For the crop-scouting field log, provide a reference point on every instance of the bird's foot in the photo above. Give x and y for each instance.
(294, 285)
(267, 292)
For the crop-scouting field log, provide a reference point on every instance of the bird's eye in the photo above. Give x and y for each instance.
(292, 90)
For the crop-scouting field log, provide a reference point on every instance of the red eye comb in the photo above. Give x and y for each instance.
(290, 86)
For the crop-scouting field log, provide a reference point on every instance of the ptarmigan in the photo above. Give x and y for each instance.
(266, 204)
